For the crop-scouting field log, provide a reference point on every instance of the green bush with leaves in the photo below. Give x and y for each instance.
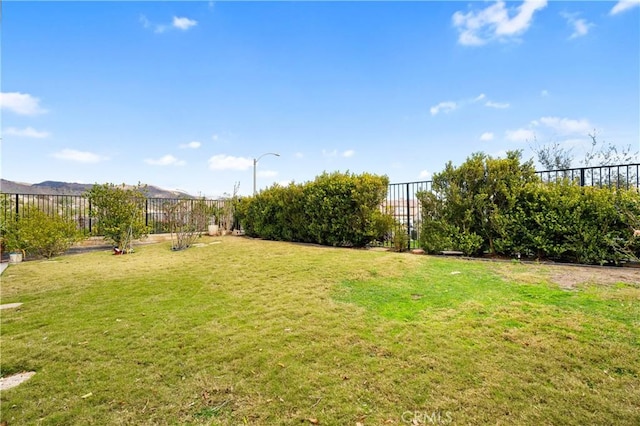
(337, 209)
(499, 206)
(119, 211)
(464, 211)
(39, 234)
(567, 222)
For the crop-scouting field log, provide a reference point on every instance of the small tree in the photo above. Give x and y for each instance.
(187, 219)
(119, 212)
(553, 156)
(226, 214)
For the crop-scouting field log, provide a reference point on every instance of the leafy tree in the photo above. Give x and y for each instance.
(607, 154)
(554, 156)
(119, 212)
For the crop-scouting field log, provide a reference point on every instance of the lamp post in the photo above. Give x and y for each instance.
(255, 163)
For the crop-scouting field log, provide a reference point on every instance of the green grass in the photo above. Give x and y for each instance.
(255, 332)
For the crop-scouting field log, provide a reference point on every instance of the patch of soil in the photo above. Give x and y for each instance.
(569, 277)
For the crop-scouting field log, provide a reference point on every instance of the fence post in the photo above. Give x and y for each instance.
(90, 215)
(17, 195)
(408, 220)
(582, 176)
(146, 212)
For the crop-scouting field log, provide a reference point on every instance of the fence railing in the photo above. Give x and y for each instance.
(78, 208)
(618, 176)
(401, 201)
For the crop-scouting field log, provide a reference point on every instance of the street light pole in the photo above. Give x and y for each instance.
(255, 163)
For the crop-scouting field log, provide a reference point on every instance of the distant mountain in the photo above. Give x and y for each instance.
(69, 188)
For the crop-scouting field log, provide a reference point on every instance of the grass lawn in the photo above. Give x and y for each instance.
(242, 331)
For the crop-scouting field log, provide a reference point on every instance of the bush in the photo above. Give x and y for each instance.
(464, 211)
(338, 209)
(119, 212)
(186, 219)
(501, 207)
(40, 234)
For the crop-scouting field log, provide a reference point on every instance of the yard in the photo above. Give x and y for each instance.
(240, 331)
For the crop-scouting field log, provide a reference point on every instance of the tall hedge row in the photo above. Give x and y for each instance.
(499, 206)
(336, 209)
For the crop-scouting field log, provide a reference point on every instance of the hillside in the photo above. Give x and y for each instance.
(70, 188)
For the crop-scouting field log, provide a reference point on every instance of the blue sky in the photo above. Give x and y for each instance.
(184, 95)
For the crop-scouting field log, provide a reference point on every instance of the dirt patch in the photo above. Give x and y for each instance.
(571, 276)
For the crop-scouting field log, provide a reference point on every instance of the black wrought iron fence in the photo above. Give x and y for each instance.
(618, 176)
(403, 205)
(401, 201)
(78, 208)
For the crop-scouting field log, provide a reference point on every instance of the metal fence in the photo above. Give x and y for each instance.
(402, 203)
(618, 176)
(401, 200)
(78, 208)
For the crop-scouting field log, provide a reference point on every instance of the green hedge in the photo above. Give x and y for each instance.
(500, 206)
(337, 209)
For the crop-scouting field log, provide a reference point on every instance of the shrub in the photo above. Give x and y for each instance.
(500, 206)
(187, 219)
(338, 209)
(40, 234)
(119, 212)
(464, 211)
(400, 238)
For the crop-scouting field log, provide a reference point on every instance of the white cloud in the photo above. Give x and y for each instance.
(580, 26)
(424, 174)
(214, 137)
(298, 155)
(566, 126)
(486, 136)
(28, 132)
(445, 107)
(498, 105)
(191, 145)
(167, 160)
(623, 6)
(266, 173)
(326, 153)
(229, 162)
(494, 22)
(183, 23)
(520, 135)
(21, 103)
(348, 153)
(79, 156)
(544, 93)
(177, 22)
(449, 106)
